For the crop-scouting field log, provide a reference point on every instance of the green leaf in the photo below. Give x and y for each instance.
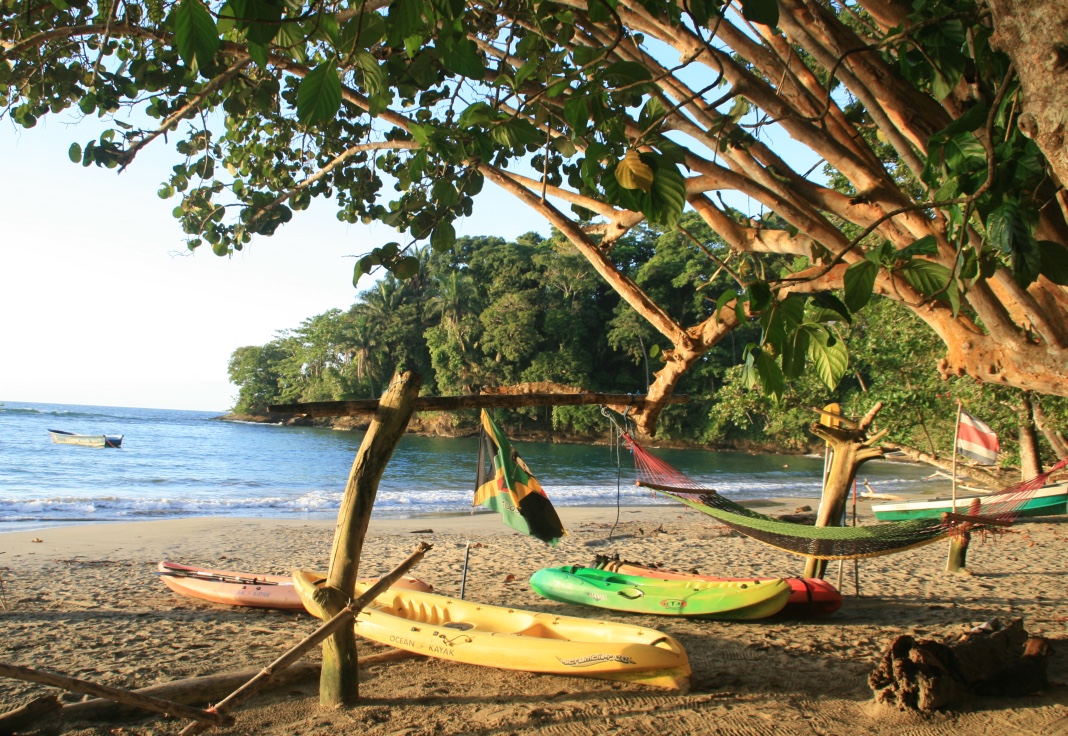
(654, 350)
(479, 114)
(859, 284)
(319, 95)
(443, 237)
(75, 153)
(761, 11)
(723, 299)
(828, 354)
(926, 277)
(516, 133)
(405, 18)
(668, 196)
(1005, 226)
(461, 56)
(258, 54)
(576, 113)
(770, 374)
(653, 112)
(925, 246)
(406, 267)
(1053, 261)
(195, 34)
(626, 73)
(362, 32)
(794, 352)
(832, 304)
(759, 296)
(1026, 262)
(374, 77)
(781, 320)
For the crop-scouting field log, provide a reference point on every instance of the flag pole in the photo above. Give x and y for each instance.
(956, 434)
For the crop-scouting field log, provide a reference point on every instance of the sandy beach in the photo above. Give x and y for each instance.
(84, 601)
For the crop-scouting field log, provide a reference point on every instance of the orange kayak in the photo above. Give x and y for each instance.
(808, 596)
(246, 588)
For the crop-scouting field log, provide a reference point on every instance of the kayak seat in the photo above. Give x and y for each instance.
(541, 631)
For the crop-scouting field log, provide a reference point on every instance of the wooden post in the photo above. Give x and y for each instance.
(341, 620)
(339, 681)
(851, 446)
(958, 543)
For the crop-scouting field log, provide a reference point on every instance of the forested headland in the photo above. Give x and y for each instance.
(492, 313)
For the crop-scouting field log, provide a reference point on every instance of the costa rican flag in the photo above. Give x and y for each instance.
(976, 440)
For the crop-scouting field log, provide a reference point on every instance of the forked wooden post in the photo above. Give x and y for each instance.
(339, 682)
(851, 447)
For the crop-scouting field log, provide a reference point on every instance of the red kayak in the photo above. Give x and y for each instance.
(246, 588)
(808, 596)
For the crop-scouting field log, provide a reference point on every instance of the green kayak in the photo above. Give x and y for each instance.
(741, 600)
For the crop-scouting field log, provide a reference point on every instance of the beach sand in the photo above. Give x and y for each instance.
(84, 601)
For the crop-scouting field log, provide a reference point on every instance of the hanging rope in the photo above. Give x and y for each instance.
(616, 444)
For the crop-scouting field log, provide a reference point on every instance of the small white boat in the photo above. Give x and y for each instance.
(85, 440)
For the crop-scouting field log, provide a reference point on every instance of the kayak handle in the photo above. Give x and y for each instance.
(632, 593)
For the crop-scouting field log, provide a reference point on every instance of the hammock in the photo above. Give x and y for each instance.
(826, 542)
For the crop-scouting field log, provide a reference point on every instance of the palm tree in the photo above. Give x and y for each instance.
(453, 299)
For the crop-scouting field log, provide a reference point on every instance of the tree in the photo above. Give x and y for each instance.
(924, 164)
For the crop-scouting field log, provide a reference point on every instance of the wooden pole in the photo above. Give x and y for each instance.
(472, 401)
(958, 544)
(339, 621)
(463, 578)
(339, 683)
(113, 693)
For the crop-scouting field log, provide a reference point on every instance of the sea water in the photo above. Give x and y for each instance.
(189, 463)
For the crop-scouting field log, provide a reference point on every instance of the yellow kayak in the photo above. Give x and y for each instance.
(511, 638)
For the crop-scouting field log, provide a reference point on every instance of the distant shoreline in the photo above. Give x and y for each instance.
(423, 428)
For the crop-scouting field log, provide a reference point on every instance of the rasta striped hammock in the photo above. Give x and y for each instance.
(508, 487)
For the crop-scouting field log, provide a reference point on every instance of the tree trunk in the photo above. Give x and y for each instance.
(1030, 464)
(339, 683)
(1055, 438)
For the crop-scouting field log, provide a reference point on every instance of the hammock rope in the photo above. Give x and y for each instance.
(826, 542)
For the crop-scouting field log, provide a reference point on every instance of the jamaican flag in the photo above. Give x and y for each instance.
(509, 488)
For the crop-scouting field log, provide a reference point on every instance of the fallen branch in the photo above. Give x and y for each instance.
(211, 688)
(345, 616)
(113, 693)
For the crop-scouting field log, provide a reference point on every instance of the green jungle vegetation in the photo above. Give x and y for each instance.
(488, 312)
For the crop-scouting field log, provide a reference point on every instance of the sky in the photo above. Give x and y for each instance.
(102, 304)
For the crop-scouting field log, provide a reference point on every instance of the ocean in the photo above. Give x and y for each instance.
(188, 463)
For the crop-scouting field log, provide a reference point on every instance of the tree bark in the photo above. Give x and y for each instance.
(1034, 33)
(339, 683)
(1055, 438)
(1030, 464)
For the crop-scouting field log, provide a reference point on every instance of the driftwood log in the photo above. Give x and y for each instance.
(33, 712)
(207, 689)
(992, 659)
(148, 702)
